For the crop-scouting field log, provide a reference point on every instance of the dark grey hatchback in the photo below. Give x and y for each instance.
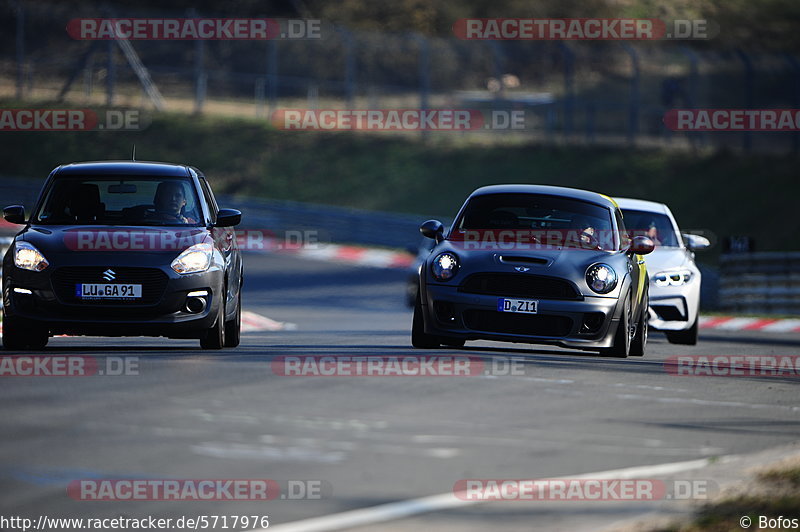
(123, 248)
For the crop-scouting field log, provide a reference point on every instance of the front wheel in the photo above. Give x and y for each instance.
(233, 328)
(419, 339)
(20, 334)
(685, 337)
(622, 338)
(639, 343)
(214, 337)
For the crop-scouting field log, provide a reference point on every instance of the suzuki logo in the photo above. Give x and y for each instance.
(109, 275)
(521, 268)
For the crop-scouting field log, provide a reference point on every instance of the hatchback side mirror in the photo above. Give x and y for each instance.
(228, 218)
(642, 245)
(14, 214)
(432, 229)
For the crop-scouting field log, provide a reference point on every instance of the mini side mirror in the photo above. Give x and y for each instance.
(432, 229)
(14, 214)
(642, 245)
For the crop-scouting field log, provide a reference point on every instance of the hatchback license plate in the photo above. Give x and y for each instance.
(108, 291)
(526, 306)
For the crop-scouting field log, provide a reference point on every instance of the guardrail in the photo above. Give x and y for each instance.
(333, 224)
(764, 282)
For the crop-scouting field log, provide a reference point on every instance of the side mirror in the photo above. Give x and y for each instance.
(695, 242)
(14, 214)
(432, 229)
(228, 218)
(642, 245)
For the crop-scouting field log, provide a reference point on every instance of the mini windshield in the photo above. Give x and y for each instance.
(549, 220)
(120, 201)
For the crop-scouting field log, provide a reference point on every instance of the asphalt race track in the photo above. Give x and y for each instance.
(371, 441)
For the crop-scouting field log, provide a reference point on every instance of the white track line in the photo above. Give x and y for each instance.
(443, 501)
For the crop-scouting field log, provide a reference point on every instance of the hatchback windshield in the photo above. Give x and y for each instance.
(120, 201)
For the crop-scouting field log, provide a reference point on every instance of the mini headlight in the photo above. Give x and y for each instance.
(27, 257)
(672, 278)
(601, 278)
(444, 266)
(194, 259)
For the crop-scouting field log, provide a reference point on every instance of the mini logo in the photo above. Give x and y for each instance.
(521, 268)
(109, 275)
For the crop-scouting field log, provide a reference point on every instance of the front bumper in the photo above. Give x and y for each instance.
(674, 308)
(589, 323)
(163, 314)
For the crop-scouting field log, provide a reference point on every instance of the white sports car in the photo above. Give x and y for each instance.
(674, 277)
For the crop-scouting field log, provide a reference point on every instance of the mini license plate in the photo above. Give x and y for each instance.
(526, 306)
(108, 291)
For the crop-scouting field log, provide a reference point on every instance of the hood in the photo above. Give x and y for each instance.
(546, 260)
(113, 239)
(662, 259)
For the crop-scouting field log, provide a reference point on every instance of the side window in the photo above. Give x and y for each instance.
(210, 201)
(624, 238)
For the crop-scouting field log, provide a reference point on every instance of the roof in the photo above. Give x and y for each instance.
(547, 190)
(642, 205)
(142, 168)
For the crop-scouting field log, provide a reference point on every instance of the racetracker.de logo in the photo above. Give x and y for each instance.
(733, 365)
(733, 119)
(582, 29)
(555, 489)
(173, 490)
(193, 29)
(378, 119)
(72, 120)
(377, 366)
(67, 366)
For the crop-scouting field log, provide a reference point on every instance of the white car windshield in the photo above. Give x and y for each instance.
(655, 225)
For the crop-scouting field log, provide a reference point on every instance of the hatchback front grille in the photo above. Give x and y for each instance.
(153, 282)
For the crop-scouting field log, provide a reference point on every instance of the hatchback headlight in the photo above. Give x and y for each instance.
(601, 278)
(27, 257)
(672, 278)
(194, 259)
(444, 266)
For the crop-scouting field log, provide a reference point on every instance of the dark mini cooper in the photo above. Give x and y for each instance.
(123, 248)
(534, 264)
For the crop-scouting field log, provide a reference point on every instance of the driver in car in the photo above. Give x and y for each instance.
(169, 202)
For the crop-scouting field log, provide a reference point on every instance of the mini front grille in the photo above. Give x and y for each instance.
(519, 324)
(519, 285)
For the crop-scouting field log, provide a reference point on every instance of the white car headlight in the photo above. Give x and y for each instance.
(444, 266)
(194, 259)
(672, 278)
(27, 257)
(601, 278)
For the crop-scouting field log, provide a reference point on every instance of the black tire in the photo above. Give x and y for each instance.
(419, 339)
(686, 337)
(639, 343)
(622, 338)
(214, 338)
(233, 328)
(19, 334)
(453, 342)
(411, 293)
